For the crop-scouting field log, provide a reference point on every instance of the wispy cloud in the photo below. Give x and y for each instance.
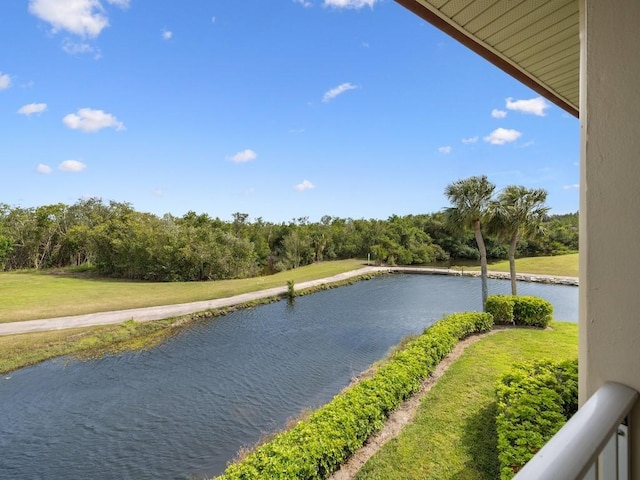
(72, 166)
(86, 18)
(571, 187)
(500, 136)
(350, 3)
(495, 113)
(89, 120)
(167, 34)
(44, 169)
(32, 108)
(305, 185)
(243, 156)
(78, 48)
(339, 90)
(471, 139)
(533, 106)
(304, 3)
(5, 81)
(158, 192)
(446, 149)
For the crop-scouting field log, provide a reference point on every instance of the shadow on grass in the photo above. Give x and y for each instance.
(480, 441)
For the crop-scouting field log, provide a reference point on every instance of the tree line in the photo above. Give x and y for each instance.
(116, 240)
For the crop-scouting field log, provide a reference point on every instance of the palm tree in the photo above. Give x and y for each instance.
(470, 198)
(518, 214)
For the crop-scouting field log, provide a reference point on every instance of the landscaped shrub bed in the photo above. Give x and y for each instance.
(534, 402)
(317, 446)
(501, 307)
(519, 310)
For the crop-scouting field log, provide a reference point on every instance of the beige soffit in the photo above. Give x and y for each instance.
(536, 41)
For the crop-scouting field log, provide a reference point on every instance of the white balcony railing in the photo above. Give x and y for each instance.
(593, 445)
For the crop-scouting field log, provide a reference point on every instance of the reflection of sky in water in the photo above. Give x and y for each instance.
(186, 406)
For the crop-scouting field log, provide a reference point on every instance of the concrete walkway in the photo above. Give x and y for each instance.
(147, 314)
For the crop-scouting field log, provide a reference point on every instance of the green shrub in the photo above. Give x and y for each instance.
(532, 311)
(317, 446)
(501, 307)
(519, 310)
(534, 402)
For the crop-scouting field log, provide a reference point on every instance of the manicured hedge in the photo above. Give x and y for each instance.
(534, 402)
(317, 446)
(519, 310)
(501, 307)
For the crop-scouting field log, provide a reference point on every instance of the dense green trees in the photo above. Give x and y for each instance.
(119, 241)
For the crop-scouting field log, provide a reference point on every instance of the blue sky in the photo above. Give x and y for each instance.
(280, 109)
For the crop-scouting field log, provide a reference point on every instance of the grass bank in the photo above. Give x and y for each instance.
(32, 295)
(559, 265)
(453, 435)
(17, 351)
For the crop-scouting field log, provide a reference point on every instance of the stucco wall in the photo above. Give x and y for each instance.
(610, 198)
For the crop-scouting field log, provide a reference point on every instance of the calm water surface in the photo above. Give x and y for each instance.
(183, 409)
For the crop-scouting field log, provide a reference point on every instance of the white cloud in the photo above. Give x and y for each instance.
(89, 120)
(44, 169)
(304, 3)
(167, 34)
(119, 3)
(158, 192)
(349, 3)
(495, 113)
(571, 187)
(244, 156)
(32, 108)
(72, 166)
(470, 139)
(80, 17)
(339, 90)
(445, 150)
(534, 106)
(305, 185)
(75, 48)
(500, 136)
(5, 81)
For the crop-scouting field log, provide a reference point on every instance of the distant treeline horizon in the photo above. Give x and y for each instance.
(116, 240)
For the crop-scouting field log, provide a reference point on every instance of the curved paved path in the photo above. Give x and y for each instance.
(147, 314)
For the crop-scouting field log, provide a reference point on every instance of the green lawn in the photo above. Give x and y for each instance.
(31, 295)
(560, 265)
(453, 435)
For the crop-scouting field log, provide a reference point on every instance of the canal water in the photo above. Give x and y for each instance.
(183, 409)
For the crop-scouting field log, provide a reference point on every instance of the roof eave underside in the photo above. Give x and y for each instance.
(566, 70)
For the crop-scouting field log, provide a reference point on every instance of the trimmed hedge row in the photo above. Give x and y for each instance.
(519, 310)
(534, 402)
(316, 447)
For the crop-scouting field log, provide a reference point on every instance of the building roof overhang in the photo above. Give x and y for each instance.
(537, 42)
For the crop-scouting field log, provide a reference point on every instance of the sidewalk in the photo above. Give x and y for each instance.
(148, 314)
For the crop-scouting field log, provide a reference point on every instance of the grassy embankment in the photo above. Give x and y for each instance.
(560, 265)
(29, 295)
(453, 435)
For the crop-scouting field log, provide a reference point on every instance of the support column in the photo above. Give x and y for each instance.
(610, 200)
